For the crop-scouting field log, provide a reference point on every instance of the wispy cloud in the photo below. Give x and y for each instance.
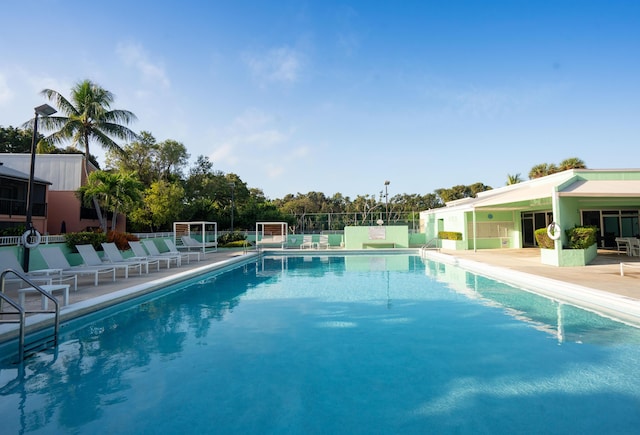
(490, 102)
(5, 91)
(134, 55)
(256, 141)
(282, 64)
(348, 39)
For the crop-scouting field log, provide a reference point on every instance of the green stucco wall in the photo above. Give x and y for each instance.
(360, 237)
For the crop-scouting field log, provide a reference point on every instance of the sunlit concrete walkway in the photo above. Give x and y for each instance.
(602, 274)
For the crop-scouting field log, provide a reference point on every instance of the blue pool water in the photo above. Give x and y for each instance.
(356, 345)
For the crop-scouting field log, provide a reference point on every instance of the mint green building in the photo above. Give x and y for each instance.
(507, 217)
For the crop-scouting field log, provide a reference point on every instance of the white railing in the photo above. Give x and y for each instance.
(16, 240)
(166, 235)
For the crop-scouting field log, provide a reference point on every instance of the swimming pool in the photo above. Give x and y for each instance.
(334, 344)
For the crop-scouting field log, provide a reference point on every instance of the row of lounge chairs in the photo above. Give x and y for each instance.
(322, 243)
(59, 270)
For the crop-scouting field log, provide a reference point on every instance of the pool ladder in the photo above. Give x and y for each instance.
(42, 340)
(431, 245)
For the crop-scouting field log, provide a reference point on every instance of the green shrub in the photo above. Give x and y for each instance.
(543, 240)
(581, 237)
(85, 238)
(228, 239)
(16, 230)
(449, 235)
(236, 244)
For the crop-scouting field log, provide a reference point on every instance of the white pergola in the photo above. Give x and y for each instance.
(204, 232)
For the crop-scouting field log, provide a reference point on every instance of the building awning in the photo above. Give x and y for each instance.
(603, 188)
(523, 193)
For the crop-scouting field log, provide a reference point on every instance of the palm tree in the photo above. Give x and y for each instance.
(542, 170)
(513, 179)
(114, 191)
(88, 116)
(571, 163)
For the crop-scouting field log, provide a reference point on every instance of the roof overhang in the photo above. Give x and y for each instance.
(507, 200)
(602, 189)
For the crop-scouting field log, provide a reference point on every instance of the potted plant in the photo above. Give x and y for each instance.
(581, 248)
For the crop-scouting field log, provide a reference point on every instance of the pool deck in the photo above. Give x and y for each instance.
(600, 281)
(602, 274)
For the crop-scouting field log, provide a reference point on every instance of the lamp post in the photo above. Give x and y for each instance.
(386, 199)
(233, 186)
(44, 110)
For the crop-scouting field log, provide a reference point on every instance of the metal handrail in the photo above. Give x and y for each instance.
(22, 312)
(431, 244)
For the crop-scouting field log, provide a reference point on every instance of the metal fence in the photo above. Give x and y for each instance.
(327, 222)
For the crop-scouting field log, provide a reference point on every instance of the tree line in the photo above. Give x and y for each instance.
(154, 185)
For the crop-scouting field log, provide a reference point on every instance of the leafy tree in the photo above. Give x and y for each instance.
(461, 191)
(87, 117)
(204, 190)
(114, 191)
(138, 156)
(16, 140)
(162, 205)
(172, 158)
(151, 160)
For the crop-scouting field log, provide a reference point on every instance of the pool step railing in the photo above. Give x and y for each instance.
(431, 245)
(40, 340)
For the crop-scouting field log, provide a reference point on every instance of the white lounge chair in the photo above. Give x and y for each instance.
(186, 254)
(192, 243)
(153, 250)
(114, 256)
(140, 252)
(55, 259)
(46, 276)
(307, 242)
(323, 243)
(91, 258)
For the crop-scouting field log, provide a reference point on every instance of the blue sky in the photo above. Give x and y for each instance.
(339, 96)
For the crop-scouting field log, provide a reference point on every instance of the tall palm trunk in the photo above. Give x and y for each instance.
(96, 204)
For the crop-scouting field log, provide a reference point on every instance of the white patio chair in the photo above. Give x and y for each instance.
(91, 258)
(114, 256)
(622, 244)
(323, 243)
(153, 250)
(190, 243)
(307, 242)
(174, 249)
(46, 276)
(140, 252)
(55, 259)
(634, 247)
